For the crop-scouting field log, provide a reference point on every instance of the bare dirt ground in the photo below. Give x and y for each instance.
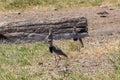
(97, 25)
(104, 34)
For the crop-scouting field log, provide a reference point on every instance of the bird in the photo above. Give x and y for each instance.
(56, 52)
(50, 35)
(76, 36)
(54, 49)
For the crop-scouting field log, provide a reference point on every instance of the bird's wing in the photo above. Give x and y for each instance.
(57, 48)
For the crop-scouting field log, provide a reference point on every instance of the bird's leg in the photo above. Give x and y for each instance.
(55, 59)
(58, 60)
(59, 57)
(81, 42)
(78, 47)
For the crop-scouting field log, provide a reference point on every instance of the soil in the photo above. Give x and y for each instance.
(97, 24)
(102, 30)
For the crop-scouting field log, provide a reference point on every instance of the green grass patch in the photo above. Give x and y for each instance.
(118, 4)
(19, 54)
(58, 4)
(15, 58)
(20, 62)
(96, 2)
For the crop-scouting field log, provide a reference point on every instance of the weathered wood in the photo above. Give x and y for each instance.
(2, 37)
(38, 30)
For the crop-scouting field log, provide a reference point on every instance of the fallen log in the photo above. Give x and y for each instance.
(38, 30)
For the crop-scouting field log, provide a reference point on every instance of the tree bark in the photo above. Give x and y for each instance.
(38, 30)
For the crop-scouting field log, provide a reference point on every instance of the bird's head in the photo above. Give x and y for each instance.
(74, 29)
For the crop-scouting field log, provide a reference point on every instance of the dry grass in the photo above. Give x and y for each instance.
(32, 61)
(52, 4)
(93, 47)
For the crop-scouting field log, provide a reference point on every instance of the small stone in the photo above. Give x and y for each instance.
(19, 13)
(40, 63)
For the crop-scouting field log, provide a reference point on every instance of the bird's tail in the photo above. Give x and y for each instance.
(65, 55)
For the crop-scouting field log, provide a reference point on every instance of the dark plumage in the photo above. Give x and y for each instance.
(80, 40)
(56, 50)
(76, 36)
(51, 49)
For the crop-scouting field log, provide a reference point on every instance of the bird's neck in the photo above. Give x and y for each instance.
(50, 44)
(51, 49)
(50, 33)
(74, 32)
